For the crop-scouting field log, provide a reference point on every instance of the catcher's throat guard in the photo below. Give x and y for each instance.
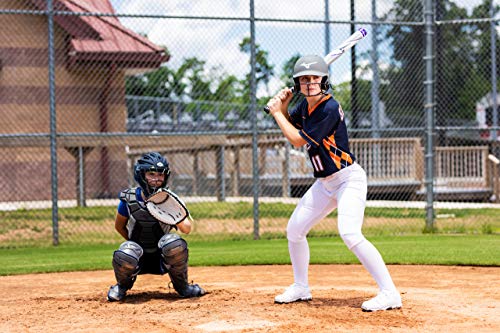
(167, 207)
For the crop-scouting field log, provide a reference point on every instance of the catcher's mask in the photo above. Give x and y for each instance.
(150, 162)
(311, 65)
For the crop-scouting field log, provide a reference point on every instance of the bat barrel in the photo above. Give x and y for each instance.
(335, 54)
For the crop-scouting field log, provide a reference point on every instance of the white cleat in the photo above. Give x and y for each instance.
(385, 300)
(294, 293)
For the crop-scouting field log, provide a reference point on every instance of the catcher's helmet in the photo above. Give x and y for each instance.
(150, 162)
(311, 65)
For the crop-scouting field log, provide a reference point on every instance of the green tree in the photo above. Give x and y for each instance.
(480, 83)
(342, 93)
(287, 70)
(405, 73)
(198, 84)
(482, 31)
(462, 61)
(459, 84)
(264, 71)
(227, 89)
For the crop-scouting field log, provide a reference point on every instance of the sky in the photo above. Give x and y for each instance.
(216, 41)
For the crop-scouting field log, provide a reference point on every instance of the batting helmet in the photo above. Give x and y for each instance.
(311, 65)
(150, 162)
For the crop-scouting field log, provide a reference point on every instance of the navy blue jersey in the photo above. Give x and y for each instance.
(324, 129)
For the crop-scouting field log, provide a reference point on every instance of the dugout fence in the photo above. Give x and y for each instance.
(88, 86)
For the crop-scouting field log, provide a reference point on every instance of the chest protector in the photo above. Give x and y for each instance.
(143, 228)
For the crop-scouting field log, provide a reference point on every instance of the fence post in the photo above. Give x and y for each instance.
(255, 138)
(429, 111)
(53, 118)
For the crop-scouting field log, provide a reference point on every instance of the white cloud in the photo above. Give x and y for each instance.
(183, 7)
(216, 41)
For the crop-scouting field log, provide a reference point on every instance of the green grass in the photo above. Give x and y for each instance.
(88, 239)
(230, 210)
(23, 227)
(477, 250)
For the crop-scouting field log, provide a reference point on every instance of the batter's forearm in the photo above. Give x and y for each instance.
(290, 132)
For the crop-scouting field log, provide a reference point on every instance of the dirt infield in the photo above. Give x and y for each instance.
(240, 299)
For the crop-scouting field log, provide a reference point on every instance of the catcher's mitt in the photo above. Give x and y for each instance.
(167, 207)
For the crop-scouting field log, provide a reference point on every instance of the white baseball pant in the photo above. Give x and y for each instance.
(345, 190)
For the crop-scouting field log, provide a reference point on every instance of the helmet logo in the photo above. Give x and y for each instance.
(159, 164)
(308, 65)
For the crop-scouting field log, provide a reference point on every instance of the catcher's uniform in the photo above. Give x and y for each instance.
(144, 229)
(151, 248)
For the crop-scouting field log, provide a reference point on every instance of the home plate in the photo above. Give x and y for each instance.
(224, 325)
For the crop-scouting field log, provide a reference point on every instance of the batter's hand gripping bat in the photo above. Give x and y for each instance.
(339, 50)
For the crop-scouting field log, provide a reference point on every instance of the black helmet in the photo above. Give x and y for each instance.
(150, 162)
(311, 65)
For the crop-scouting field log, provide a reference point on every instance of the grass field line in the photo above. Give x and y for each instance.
(44, 204)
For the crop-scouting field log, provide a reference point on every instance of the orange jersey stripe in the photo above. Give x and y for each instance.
(346, 157)
(330, 142)
(310, 138)
(310, 110)
(335, 159)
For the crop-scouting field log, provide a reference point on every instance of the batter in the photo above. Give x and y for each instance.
(318, 123)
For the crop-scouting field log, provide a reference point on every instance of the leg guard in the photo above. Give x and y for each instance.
(174, 252)
(126, 263)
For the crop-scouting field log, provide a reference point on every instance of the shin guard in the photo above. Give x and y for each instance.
(174, 252)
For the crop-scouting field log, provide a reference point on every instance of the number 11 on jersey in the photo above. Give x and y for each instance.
(316, 162)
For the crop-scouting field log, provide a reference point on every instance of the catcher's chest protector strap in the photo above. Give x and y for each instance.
(146, 230)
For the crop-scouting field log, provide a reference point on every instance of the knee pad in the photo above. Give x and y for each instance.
(174, 250)
(351, 240)
(126, 263)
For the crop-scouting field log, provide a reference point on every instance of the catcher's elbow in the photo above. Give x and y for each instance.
(184, 227)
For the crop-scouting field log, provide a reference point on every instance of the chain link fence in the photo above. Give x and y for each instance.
(86, 87)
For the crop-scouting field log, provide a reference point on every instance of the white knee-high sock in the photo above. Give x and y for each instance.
(299, 255)
(371, 259)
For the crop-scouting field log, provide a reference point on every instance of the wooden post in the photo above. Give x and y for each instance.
(79, 155)
(196, 172)
(262, 159)
(285, 185)
(236, 174)
(220, 174)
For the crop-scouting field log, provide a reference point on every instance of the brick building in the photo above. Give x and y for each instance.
(93, 54)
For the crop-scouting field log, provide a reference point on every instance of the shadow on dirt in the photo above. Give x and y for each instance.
(353, 302)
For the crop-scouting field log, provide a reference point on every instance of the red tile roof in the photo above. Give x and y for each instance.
(103, 38)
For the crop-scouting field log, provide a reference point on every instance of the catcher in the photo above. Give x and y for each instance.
(146, 216)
